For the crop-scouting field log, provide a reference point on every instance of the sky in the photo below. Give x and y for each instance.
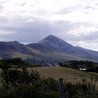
(28, 21)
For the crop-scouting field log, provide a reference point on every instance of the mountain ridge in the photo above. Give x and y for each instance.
(51, 48)
(57, 44)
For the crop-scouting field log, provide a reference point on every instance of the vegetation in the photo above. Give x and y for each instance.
(22, 83)
(16, 62)
(88, 66)
(77, 64)
(93, 69)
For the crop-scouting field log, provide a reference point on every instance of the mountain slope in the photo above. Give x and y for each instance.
(8, 49)
(91, 52)
(51, 49)
(13, 46)
(58, 46)
(51, 43)
(54, 43)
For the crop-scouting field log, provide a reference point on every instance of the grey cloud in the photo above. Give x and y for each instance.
(89, 7)
(69, 9)
(66, 10)
(33, 31)
(1, 8)
(93, 36)
(3, 21)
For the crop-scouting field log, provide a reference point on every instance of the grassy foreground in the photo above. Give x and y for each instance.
(27, 83)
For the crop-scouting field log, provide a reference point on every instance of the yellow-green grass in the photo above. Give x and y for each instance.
(68, 74)
(62, 72)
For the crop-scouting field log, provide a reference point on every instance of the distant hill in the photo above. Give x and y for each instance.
(49, 49)
(14, 49)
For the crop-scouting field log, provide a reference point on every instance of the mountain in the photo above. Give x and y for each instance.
(91, 52)
(63, 50)
(54, 43)
(51, 43)
(13, 49)
(49, 49)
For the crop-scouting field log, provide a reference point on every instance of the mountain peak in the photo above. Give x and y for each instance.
(51, 39)
(55, 43)
(51, 36)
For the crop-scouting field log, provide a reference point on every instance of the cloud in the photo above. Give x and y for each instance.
(31, 31)
(82, 33)
(26, 30)
(1, 8)
(75, 21)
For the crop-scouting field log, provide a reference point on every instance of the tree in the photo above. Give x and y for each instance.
(5, 67)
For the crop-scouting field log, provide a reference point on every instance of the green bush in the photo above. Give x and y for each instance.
(22, 84)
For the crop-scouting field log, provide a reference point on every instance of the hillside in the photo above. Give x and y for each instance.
(61, 49)
(50, 49)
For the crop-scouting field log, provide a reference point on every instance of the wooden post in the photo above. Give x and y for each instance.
(61, 88)
(35, 65)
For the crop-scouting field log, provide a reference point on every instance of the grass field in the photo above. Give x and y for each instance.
(67, 74)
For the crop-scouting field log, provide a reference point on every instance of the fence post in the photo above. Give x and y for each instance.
(61, 88)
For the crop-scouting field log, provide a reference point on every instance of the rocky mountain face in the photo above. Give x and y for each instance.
(51, 49)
